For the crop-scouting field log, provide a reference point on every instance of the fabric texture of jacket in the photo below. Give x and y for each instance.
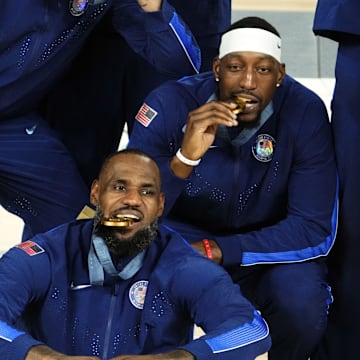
(45, 281)
(39, 39)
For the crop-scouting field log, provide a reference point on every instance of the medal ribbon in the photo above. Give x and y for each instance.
(99, 259)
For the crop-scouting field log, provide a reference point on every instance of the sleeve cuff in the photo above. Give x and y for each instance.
(21, 345)
(231, 249)
(154, 21)
(199, 349)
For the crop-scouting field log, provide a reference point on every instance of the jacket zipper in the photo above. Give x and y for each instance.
(110, 321)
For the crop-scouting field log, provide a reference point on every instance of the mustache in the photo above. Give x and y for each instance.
(128, 207)
(241, 91)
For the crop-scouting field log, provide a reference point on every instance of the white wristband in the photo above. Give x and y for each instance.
(185, 160)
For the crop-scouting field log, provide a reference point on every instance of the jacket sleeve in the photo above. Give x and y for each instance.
(337, 19)
(22, 279)
(162, 37)
(233, 328)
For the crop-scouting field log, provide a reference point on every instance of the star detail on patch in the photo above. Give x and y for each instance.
(31, 248)
(146, 115)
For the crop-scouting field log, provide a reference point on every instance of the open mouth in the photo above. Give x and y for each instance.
(120, 220)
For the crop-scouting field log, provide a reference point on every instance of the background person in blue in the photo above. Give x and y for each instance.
(125, 78)
(38, 41)
(92, 291)
(256, 192)
(338, 20)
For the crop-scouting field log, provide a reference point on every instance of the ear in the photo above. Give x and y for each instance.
(282, 73)
(94, 193)
(216, 68)
(161, 204)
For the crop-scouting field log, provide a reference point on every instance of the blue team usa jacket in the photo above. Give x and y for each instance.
(267, 199)
(152, 312)
(39, 39)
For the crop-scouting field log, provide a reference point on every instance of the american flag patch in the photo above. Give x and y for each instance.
(146, 115)
(30, 248)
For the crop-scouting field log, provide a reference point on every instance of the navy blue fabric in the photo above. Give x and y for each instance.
(39, 181)
(338, 20)
(38, 44)
(276, 212)
(50, 292)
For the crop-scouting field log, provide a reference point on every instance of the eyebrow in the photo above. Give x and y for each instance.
(126, 182)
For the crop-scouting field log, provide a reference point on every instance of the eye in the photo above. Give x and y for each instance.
(235, 67)
(263, 70)
(119, 188)
(147, 192)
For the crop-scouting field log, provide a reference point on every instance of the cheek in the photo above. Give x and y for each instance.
(268, 92)
(153, 209)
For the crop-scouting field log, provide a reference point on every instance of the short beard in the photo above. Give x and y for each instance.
(133, 245)
(126, 247)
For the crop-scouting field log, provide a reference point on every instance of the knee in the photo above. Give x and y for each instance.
(300, 310)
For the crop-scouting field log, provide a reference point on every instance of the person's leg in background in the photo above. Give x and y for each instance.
(84, 108)
(342, 334)
(294, 299)
(39, 181)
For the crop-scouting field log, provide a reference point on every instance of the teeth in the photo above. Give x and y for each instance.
(127, 216)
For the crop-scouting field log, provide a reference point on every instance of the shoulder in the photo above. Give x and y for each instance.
(296, 100)
(62, 239)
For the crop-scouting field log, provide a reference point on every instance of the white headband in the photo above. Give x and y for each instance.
(250, 39)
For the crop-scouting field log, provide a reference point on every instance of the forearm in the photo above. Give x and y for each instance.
(180, 169)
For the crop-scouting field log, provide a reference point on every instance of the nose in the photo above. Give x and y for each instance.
(248, 79)
(132, 198)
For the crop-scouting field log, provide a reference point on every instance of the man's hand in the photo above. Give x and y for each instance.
(173, 355)
(150, 5)
(42, 352)
(215, 249)
(200, 132)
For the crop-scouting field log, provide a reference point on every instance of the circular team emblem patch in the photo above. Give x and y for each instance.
(263, 148)
(137, 293)
(77, 7)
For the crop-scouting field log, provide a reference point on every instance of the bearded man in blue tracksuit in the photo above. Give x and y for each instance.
(38, 42)
(338, 20)
(254, 191)
(120, 286)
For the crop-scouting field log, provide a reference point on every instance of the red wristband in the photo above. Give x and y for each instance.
(207, 248)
